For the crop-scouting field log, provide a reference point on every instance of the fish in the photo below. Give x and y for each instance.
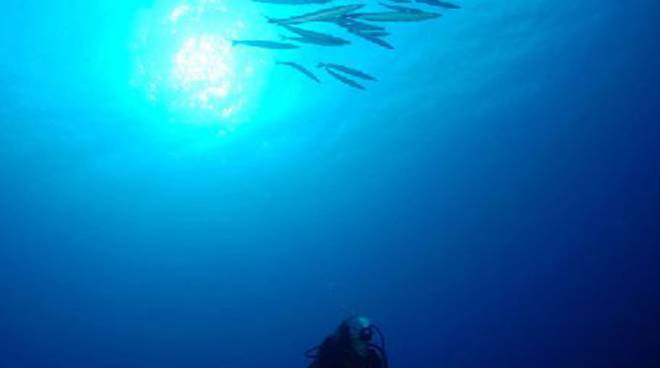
(372, 33)
(347, 70)
(316, 41)
(313, 37)
(345, 80)
(355, 25)
(396, 16)
(402, 9)
(439, 4)
(323, 15)
(265, 44)
(376, 39)
(293, 2)
(366, 31)
(299, 68)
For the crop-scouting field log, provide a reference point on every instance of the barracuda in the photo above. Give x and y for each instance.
(323, 15)
(396, 16)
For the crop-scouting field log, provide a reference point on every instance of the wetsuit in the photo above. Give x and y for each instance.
(337, 352)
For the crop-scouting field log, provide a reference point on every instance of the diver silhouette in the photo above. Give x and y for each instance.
(350, 346)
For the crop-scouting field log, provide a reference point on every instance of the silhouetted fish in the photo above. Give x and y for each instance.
(345, 80)
(439, 4)
(299, 68)
(355, 25)
(316, 41)
(374, 38)
(373, 33)
(402, 9)
(265, 44)
(396, 16)
(313, 37)
(347, 70)
(323, 15)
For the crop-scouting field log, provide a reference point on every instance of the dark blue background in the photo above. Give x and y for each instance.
(523, 236)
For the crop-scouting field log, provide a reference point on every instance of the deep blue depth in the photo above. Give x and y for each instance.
(491, 201)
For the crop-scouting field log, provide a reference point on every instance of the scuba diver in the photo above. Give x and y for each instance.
(350, 346)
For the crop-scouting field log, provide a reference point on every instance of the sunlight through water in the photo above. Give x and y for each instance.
(185, 62)
(202, 70)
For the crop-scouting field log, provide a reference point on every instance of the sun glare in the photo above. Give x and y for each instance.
(178, 12)
(203, 68)
(185, 61)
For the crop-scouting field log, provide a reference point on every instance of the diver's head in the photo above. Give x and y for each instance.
(358, 331)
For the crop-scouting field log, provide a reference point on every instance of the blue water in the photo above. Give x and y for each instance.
(168, 201)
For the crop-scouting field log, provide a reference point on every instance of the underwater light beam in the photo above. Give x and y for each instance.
(185, 61)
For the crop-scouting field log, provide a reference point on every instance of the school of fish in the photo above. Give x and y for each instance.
(353, 19)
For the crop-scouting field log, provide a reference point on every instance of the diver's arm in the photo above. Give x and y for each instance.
(378, 359)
